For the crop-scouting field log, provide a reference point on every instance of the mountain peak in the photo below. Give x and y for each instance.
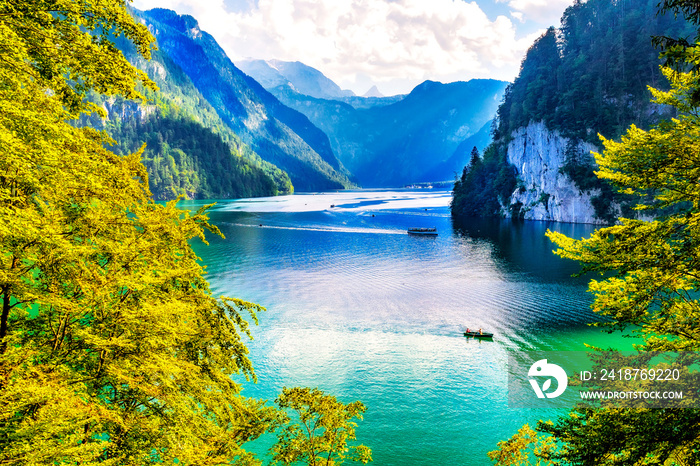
(181, 23)
(373, 92)
(296, 75)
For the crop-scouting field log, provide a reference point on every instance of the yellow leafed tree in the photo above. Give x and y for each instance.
(112, 348)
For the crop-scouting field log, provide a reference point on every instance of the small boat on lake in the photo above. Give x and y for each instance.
(477, 334)
(423, 231)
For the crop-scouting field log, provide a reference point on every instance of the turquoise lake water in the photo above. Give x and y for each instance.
(360, 309)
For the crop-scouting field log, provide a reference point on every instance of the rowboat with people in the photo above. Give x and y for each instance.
(477, 334)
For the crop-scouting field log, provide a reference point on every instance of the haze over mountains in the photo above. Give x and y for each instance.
(288, 119)
(296, 75)
(389, 141)
(278, 134)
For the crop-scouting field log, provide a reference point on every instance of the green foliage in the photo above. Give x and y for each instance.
(318, 431)
(484, 185)
(653, 279)
(183, 158)
(623, 436)
(112, 348)
(590, 76)
(47, 43)
(680, 52)
(516, 451)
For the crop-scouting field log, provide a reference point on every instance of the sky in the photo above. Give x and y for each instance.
(393, 44)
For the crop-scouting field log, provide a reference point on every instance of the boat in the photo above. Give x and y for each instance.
(423, 231)
(478, 334)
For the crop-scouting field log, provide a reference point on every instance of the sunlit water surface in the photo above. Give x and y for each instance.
(360, 309)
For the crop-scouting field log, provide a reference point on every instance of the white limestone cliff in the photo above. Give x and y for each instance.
(544, 192)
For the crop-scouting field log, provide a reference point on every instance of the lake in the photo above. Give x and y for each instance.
(362, 310)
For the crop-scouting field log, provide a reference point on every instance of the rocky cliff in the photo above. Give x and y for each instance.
(118, 108)
(544, 192)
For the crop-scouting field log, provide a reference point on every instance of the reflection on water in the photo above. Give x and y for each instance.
(361, 309)
(522, 245)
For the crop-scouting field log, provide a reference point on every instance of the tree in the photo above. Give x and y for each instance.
(485, 184)
(516, 450)
(112, 348)
(66, 46)
(474, 162)
(679, 52)
(651, 273)
(319, 431)
(654, 263)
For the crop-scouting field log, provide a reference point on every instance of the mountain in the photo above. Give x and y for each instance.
(588, 77)
(296, 75)
(277, 133)
(189, 150)
(373, 92)
(359, 102)
(280, 77)
(183, 157)
(402, 140)
(452, 167)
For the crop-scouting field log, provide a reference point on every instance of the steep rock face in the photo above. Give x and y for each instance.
(123, 110)
(544, 192)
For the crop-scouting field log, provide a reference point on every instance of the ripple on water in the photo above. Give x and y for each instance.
(363, 310)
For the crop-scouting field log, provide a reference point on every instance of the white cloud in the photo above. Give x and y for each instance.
(396, 43)
(547, 12)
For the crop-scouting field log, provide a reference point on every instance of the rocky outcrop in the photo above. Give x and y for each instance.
(544, 192)
(121, 109)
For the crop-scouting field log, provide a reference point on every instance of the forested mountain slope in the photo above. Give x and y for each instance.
(183, 157)
(189, 150)
(280, 135)
(588, 77)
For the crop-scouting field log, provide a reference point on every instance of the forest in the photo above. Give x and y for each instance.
(587, 78)
(644, 283)
(183, 158)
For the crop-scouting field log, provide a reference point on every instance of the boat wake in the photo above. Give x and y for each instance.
(379, 231)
